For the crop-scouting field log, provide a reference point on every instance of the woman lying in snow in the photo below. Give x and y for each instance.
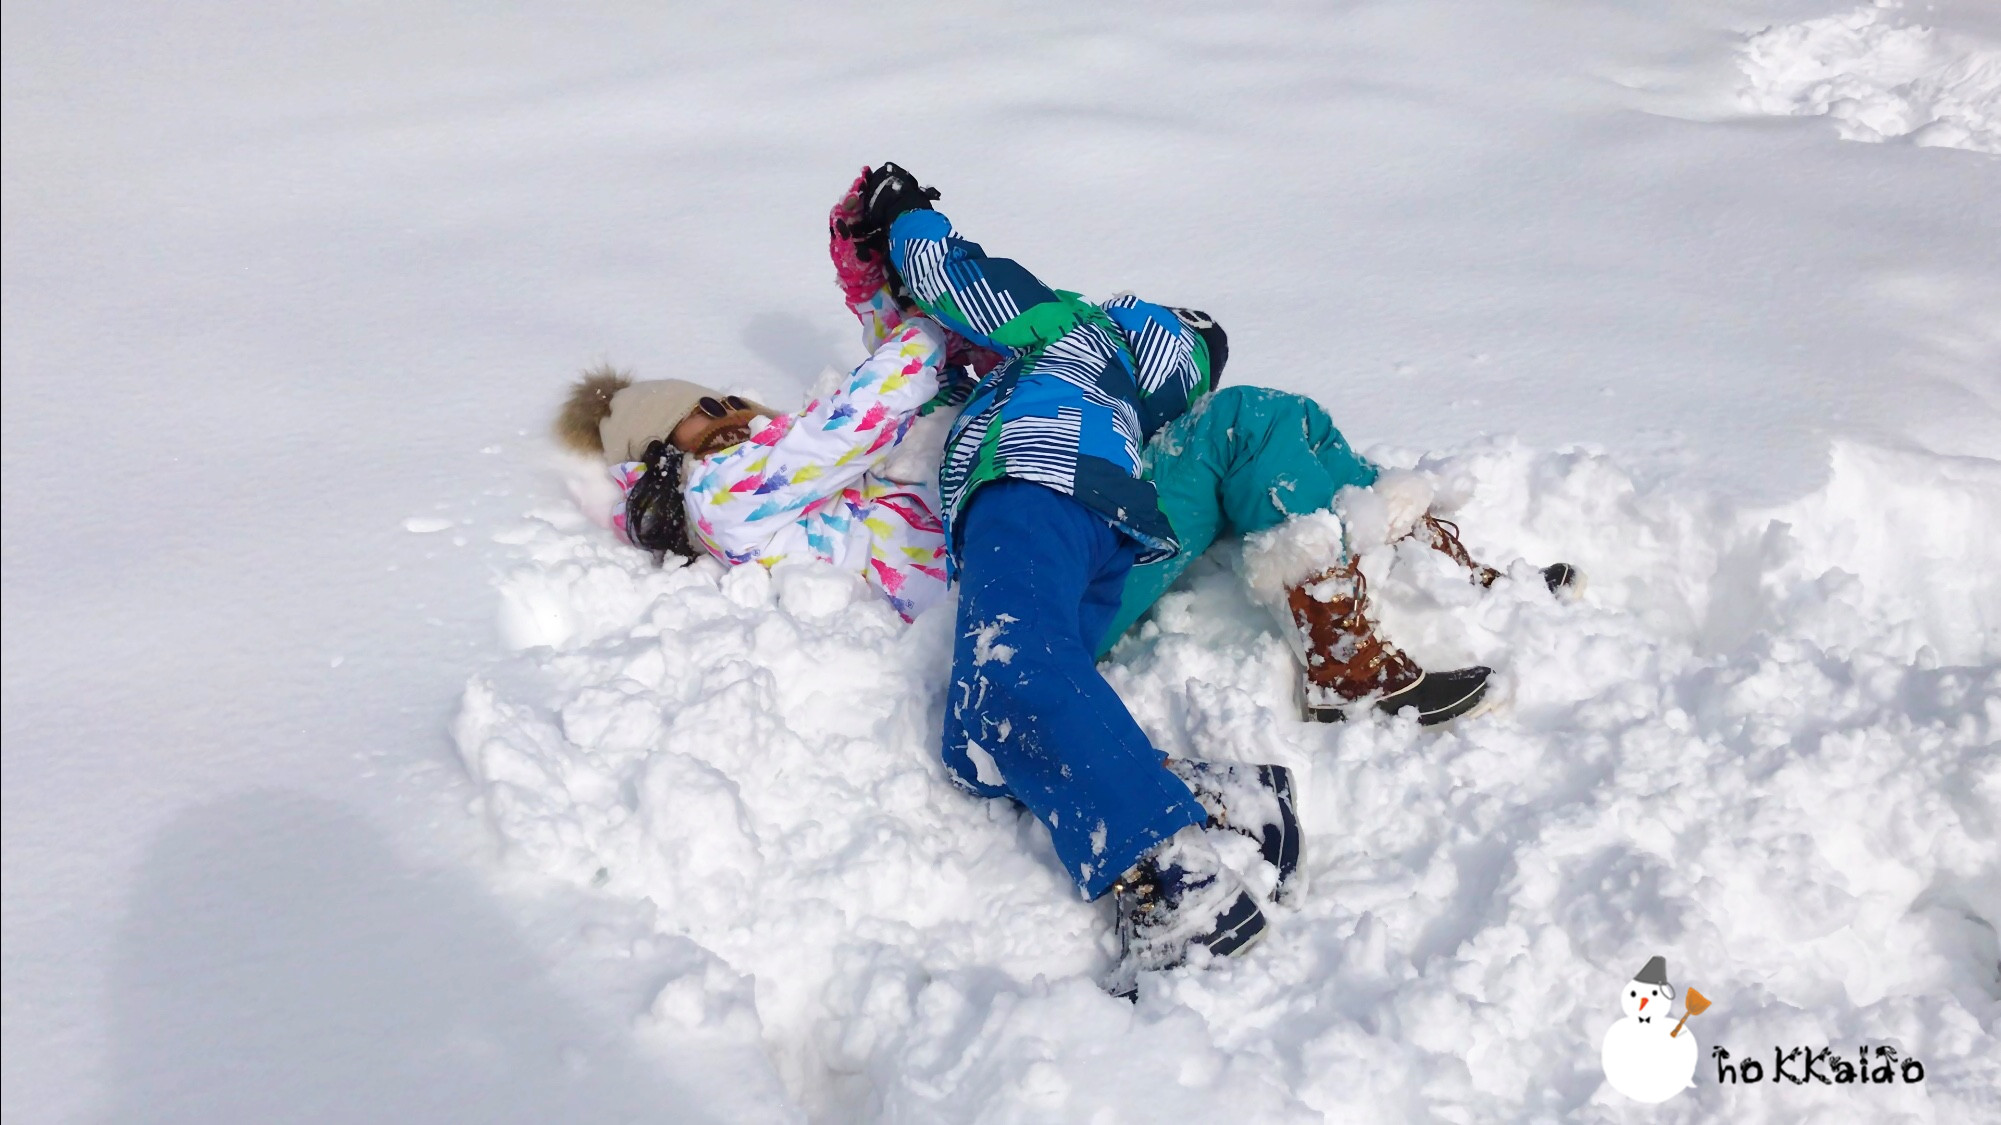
(705, 472)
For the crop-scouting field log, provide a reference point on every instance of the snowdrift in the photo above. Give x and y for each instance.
(1879, 77)
(1762, 743)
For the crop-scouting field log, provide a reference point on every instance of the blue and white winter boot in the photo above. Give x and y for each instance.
(1178, 899)
(1255, 801)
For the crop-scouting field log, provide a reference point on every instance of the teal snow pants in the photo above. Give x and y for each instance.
(1239, 462)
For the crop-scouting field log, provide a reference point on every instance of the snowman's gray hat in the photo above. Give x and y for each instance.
(1655, 972)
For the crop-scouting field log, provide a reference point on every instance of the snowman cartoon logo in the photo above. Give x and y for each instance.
(1647, 1055)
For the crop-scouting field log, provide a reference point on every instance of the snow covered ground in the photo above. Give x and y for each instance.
(1880, 76)
(351, 773)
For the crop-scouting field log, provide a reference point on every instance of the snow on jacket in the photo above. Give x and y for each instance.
(1082, 389)
(807, 486)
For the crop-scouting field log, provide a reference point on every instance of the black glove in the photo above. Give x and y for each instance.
(889, 191)
(656, 518)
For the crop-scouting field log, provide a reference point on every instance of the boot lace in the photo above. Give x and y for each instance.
(1444, 535)
(1355, 620)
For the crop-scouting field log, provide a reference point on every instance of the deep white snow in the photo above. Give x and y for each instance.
(1880, 76)
(353, 772)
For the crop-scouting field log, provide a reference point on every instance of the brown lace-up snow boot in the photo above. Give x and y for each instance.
(1443, 536)
(1347, 662)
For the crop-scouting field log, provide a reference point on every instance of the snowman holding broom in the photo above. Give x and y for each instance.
(1647, 1055)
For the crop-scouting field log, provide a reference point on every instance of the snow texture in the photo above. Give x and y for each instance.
(1385, 511)
(1279, 558)
(353, 773)
(1879, 77)
(1765, 739)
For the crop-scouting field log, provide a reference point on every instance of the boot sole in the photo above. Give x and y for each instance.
(1279, 841)
(1483, 702)
(1444, 713)
(1284, 853)
(1325, 714)
(1239, 929)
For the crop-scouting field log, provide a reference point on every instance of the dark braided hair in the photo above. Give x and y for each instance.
(656, 520)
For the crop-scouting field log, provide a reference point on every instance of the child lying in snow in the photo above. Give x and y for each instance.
(1271, 467)
(1248, 461)
(750, 484)
(761, 487)
(1048, 508)
(1263, 464)
(1045, 513)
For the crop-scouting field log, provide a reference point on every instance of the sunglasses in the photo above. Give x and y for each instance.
(727, 406)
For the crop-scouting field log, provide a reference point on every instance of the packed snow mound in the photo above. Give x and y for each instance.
(1879, 78)
(1760, 743)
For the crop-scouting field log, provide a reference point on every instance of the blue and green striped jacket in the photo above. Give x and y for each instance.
(1083, 389)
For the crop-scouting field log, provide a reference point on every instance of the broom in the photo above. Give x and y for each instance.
(1695, 1004)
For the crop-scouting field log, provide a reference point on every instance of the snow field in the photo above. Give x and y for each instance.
(1879, 77)
(1761, 742)
(319, 267)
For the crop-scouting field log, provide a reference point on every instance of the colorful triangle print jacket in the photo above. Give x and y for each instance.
(1083, 387)
(806, 485)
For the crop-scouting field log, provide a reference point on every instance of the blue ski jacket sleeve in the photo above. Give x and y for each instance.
(1082, 388)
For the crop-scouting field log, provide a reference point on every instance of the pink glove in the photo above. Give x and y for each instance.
(859, 279)
(866, 286)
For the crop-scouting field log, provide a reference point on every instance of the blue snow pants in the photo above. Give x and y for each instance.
(1243, 460)
(1028, 716)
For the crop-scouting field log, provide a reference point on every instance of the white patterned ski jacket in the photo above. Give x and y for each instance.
(807, 485)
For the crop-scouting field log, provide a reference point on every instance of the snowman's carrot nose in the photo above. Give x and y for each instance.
(1697, 1004)
(1643, 1003)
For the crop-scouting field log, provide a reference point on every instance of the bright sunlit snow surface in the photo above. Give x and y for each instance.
(353, 773)
(1880, 75)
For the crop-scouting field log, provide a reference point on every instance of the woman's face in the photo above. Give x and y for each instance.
(715, 424)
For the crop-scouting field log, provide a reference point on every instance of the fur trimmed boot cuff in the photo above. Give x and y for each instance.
(1387, 510)
(1282, 557)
